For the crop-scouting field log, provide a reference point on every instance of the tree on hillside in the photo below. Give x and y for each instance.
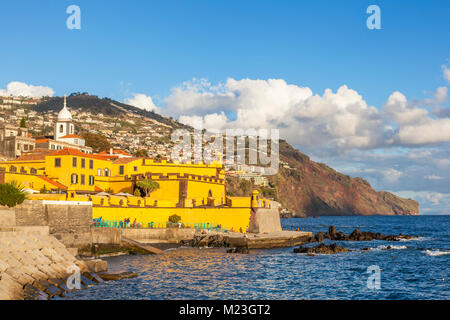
(97, 142)
(148, 186)
(23, 123)
(141, 153)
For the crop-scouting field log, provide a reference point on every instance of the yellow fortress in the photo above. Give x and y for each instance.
(195, 192)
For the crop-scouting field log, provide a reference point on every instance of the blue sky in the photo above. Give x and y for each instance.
(155, 45)
(154, 51)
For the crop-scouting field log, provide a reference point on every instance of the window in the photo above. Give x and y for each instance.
(57, 162)
(83, 163)
(74, 179)
(91, 164)
(106, 172)
(76, 141)
(91, 180)
(99, 172)
(135, 169)
(82, 179)
(61, 129)
(121, 170)
(74, 162)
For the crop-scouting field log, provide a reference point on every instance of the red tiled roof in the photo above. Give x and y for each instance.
(76, 152)
(98, 189)
(36, 154)
(116, 151)
(125, 160)
(41, 140)
(55, 183)
(71, 136)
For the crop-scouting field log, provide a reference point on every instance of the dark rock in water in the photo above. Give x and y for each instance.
(322, 248)
(319, 237)
(117, 276)
(216, 241)
(356, 235)
(242, 250)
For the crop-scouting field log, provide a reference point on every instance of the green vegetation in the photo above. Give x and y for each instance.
(109, 190)
(23, 123)
(148, 186)
(44, 190)
(174, 218)
(97, 142)
(12, 194)
(246, 186)
(141, 153)
(137, 193)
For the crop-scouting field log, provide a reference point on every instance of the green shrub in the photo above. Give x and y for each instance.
(12, 194)
(137, 193)
(44, 190)
(109, 190)
(174, 218)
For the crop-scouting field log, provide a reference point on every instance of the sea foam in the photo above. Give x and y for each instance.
(437, 252)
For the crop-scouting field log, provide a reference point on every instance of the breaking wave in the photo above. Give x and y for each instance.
(436, 252)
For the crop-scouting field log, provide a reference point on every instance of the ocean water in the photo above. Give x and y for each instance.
(414, 269)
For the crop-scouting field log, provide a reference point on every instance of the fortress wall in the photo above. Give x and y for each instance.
(228, 218)
(69, 222)
(265, 220)
(7, 218)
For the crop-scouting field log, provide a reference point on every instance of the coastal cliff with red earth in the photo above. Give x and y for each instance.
(307, 188)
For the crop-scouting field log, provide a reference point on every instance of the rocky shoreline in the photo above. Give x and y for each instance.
(334, 235)
(356, 235)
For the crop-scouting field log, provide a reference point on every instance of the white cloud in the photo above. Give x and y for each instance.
(17, 89)
(210, 121)
(142, 101)
(433, 177)
(446, 72)
(398, 110)
(391, 175)
(429, 132)
(336, 120)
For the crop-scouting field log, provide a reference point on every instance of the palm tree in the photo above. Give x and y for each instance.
(148, 186)
(12, 194)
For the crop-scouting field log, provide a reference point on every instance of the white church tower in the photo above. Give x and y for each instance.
(64, 125)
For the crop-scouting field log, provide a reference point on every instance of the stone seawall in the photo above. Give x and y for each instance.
(30, 258)
(70, 222)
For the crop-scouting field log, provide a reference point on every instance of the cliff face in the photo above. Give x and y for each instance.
(308, 188)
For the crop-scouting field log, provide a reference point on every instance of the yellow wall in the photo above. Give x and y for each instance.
(228, 218)
(63, 174)
(29, 181)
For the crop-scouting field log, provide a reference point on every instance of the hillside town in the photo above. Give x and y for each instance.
(132, 133)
